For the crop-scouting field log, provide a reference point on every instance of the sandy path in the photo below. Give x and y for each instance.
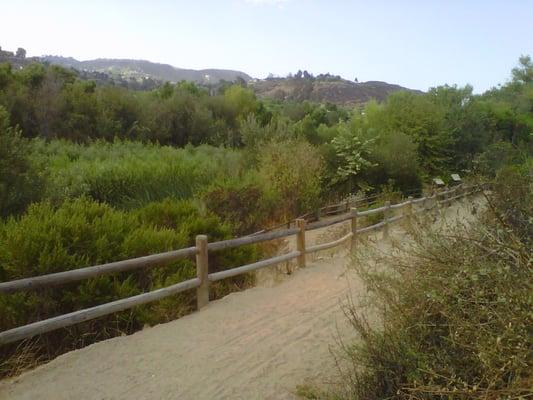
(255, 344)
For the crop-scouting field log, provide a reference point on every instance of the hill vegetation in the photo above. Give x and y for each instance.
(95, 173)
(146, 75)
(324, 88)
(127, 70)
(142, 69)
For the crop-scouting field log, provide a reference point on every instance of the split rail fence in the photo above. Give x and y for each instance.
(201, 252)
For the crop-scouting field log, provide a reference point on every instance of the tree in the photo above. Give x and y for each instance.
(239, 102)
(464, 121)
(395, 161)
(21, 53)
(524, 72)
(240, 81)
(422, 118)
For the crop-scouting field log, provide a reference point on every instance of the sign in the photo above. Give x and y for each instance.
(438, 182)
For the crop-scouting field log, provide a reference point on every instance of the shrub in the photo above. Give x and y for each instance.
(394, 159)
(291, 172)
(496, 156)
(513, 198)
(19, 185)
(456, 318)
(245, 205)
(386, 193)
(352, 156)
(83, 232)
(130, 174)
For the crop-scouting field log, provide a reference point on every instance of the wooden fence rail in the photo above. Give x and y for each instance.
(201, 251)
(60, 278)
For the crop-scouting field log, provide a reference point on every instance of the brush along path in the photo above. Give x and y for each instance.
(255, 344)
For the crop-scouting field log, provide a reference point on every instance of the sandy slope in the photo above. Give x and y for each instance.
(256, 344)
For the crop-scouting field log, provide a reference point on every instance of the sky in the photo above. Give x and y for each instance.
(417, 44)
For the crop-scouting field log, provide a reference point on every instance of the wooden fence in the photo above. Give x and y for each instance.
(201, 250)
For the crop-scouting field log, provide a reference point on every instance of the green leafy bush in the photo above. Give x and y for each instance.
(83, 232)
(496, 156)
(19, 185)
(130, 174)
(244, 204)
(292, 173)
(394, 160)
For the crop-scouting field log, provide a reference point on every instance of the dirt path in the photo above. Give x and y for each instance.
(255, 344)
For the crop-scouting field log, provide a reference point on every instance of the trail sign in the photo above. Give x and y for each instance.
(456, 178)
(438, 182)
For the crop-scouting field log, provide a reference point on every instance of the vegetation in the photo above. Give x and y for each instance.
(323, 88)
(18, 181)
(94, 173)
(455, 308)
(83, 232)
(129, 174)
(462, 328)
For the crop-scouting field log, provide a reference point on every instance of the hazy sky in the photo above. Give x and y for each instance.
(417, 44)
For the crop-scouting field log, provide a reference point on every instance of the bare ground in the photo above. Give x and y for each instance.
(256, 344)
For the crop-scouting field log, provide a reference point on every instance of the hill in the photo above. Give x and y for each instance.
(141, 69)
(142, 74)
(324, 88)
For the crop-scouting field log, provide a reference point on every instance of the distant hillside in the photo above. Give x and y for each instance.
(145, 75)
(324, 88)
(140, 69)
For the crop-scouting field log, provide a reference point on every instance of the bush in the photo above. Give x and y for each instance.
(291, 172)
(83, 232)
(394, 159)
(386, 193)
(19, 185)
(245, 205)
(496, 156)
(513, 198)
(130, 174)
(456, 318)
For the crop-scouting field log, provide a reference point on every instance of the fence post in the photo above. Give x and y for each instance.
(300, 242)
(202, 291)
(354, 228)
(317, 214)
(461, 191)
(438, 198)
(410, 209)
(386, 216)
(347, 205)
